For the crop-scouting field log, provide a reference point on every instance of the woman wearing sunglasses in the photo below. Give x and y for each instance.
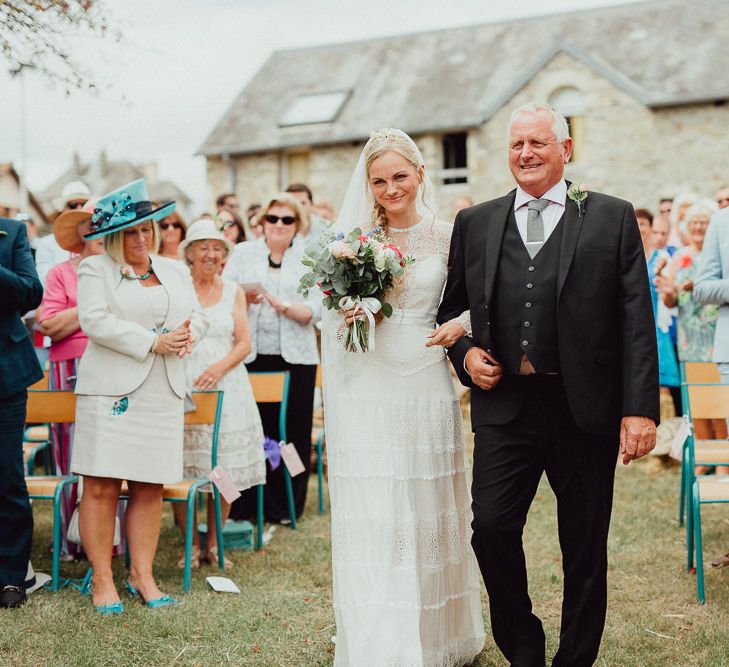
(282, 334)
(172, 231)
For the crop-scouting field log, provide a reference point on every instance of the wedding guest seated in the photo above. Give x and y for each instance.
(282, 336)
(141, 316)
(216, 363)
(58, 318)
(172, 232)
(696, 322)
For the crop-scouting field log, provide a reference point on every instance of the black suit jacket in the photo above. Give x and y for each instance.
(20, 291)
(606, 332)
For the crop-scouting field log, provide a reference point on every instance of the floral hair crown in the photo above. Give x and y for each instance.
(385, 135)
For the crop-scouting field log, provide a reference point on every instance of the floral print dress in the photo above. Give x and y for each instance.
(696, 323)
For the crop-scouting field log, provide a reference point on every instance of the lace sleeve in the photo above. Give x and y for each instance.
(464, 319)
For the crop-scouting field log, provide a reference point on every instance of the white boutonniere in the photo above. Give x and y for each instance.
(578, 194)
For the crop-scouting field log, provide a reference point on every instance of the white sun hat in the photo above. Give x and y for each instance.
(202, 230)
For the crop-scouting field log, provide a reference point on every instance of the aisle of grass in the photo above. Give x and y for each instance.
(283, 616)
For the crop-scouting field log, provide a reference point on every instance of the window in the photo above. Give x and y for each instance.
(308, 109)
(571, 103)
(455, 159)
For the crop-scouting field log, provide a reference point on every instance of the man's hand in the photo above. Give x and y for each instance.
(637, 437)
(484, 370)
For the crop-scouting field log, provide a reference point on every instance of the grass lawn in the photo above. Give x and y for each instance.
(283, 616)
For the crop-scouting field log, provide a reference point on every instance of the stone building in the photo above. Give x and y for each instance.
(644, 87)
(105, 175)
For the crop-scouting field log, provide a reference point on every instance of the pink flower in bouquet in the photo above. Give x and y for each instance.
(342, 250)
(363, 238)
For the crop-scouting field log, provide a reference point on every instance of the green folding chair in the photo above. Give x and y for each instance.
(706, 452)
(273, 387)
(51, 407)
(704, 401)
(209, 406)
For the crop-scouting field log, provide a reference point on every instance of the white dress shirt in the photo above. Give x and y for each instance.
(557, 196)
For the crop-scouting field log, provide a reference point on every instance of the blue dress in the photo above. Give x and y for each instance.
(667, 364)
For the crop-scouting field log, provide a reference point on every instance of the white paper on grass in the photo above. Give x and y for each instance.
(222, 585)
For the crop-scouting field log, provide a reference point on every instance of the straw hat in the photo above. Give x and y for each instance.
(65, 228)
(201, 230)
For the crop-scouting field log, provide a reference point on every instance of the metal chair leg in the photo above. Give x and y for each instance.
(219, 527)
(699, 547)
(682, 493)
(259, 517)
(320, 470)
(290, 497)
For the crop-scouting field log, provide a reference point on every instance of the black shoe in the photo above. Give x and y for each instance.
(11, 597)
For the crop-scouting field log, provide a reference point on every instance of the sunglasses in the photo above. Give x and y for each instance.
(273, 219)
(73, 205)
(167, 225)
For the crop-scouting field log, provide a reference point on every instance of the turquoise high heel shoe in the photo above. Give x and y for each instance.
(164, 601)
(113, 609)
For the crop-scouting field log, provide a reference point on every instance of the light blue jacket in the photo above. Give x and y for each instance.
(712, 279)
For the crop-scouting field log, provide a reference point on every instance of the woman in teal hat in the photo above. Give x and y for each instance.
(141, 316)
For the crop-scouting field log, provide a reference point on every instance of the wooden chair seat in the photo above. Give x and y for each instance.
(42, 486)
(711, 451)
(179, 490)
(38, 433)
(714, 488)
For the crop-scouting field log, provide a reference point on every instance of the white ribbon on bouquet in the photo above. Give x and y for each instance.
(369, 306)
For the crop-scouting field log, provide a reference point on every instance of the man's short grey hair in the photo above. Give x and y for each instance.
(559, 124)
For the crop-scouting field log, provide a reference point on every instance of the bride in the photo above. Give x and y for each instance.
(406, 584)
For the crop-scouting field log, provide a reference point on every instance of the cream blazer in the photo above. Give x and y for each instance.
(117, 318)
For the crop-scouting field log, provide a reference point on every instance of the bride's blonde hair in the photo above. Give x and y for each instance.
(379, 143)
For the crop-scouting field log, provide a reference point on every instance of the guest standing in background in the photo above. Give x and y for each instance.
(21, 291)
(217, 364)
(58, 319)
(696, 322)
(282, 336)
(141, 316)
(172, 230)
(232, 226)
(316, 225)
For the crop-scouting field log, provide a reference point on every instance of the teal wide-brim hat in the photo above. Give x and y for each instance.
(125, 207)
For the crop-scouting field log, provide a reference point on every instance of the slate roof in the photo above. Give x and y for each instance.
(664, 52)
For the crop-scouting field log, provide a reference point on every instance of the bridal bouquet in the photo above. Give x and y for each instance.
(355, 271)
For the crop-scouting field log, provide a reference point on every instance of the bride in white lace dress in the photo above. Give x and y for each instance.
(406, 584)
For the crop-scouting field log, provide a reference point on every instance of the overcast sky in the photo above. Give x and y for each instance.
(182, 62)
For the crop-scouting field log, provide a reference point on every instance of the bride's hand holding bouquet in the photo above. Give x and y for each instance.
(354, 272)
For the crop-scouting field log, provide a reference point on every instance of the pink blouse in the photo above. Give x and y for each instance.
(60, 294)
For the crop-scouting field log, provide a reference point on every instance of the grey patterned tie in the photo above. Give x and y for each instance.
(535, 226)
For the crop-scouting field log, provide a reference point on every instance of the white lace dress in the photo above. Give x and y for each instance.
(406, 583)
(240, 440)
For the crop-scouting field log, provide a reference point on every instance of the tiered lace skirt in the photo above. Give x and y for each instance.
(406, 583)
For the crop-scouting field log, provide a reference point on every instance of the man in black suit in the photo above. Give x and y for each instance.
(563, 372)
(20, 291)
